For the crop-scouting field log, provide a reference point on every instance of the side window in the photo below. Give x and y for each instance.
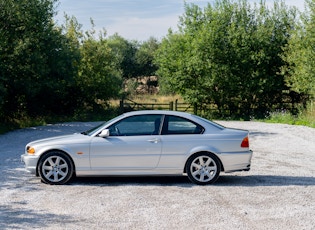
(177, 125)
(138, 125)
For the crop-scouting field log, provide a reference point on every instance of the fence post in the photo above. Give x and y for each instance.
(195, 108)
(176, 101)
(121, 106)
(171, 105)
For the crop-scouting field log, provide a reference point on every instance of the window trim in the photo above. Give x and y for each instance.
(113, 126)
(165, 126)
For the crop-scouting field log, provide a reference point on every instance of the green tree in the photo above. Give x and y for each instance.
(144, 57)
(228, 54)
(134, 59)
(36, 70)
(99, 78)
(300, 55)
(124, 52)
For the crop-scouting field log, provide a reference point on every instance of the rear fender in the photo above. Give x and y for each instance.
(209, 149)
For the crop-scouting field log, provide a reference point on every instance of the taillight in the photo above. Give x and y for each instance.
(245, 142)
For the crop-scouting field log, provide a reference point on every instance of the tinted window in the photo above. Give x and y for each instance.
(137, 126)
(179, 125)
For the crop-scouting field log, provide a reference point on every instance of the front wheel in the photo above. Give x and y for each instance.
(55, 168)
(203, 168)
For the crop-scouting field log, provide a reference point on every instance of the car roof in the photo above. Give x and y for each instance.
(207, 124)
(166, 112)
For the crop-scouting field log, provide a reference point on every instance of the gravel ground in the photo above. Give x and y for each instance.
(278, 192)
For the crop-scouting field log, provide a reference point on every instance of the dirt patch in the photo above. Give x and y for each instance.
(278, 192)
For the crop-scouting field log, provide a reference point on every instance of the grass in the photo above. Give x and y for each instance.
(21, 123)
(305, 117)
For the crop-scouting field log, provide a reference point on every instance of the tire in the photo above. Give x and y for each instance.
(55, 168)
(203, 168)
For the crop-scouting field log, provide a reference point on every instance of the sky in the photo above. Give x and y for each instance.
(134, 19)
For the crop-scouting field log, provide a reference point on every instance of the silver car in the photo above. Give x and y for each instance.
(142, 143)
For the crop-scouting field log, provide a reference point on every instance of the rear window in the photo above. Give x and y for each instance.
(174, 125)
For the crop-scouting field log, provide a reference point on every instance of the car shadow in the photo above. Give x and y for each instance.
(179, 181)
(258, 133)
(265, 180)
(182, 181)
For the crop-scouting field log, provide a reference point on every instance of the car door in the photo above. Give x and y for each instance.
(134, 144)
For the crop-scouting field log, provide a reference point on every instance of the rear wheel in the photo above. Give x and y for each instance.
(55, 168)
(203, 168)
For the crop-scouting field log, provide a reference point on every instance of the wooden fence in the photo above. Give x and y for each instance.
(127, 105)
(130, 105)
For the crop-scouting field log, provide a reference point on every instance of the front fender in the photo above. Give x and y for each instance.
(79, 154)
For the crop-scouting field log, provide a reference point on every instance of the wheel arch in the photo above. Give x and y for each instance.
(55, 150)
(208, 152)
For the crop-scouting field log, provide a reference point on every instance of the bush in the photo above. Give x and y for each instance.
(304, 117)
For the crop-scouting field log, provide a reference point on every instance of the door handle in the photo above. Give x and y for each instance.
(154, 140)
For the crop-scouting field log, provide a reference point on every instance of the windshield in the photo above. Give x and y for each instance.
(93, 130)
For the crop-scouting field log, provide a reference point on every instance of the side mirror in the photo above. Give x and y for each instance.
(104, 133)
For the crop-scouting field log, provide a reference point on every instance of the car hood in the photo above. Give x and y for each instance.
(60, 140)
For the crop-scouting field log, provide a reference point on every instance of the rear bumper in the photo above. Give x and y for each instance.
(236, 161)
(30, 162)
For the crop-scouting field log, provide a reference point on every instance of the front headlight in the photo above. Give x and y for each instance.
(30, 150)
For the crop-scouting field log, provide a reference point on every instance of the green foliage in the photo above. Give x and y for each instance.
(98, 78)
(228, 54)
(300, 70)
(306, 117)
(145, 57)
(124, 52)
(47, 71)
(135, 59)
(35, 61)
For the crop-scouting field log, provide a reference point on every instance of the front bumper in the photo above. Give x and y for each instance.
(30, 162)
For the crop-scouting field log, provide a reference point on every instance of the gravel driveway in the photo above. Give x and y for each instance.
(278, 192)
